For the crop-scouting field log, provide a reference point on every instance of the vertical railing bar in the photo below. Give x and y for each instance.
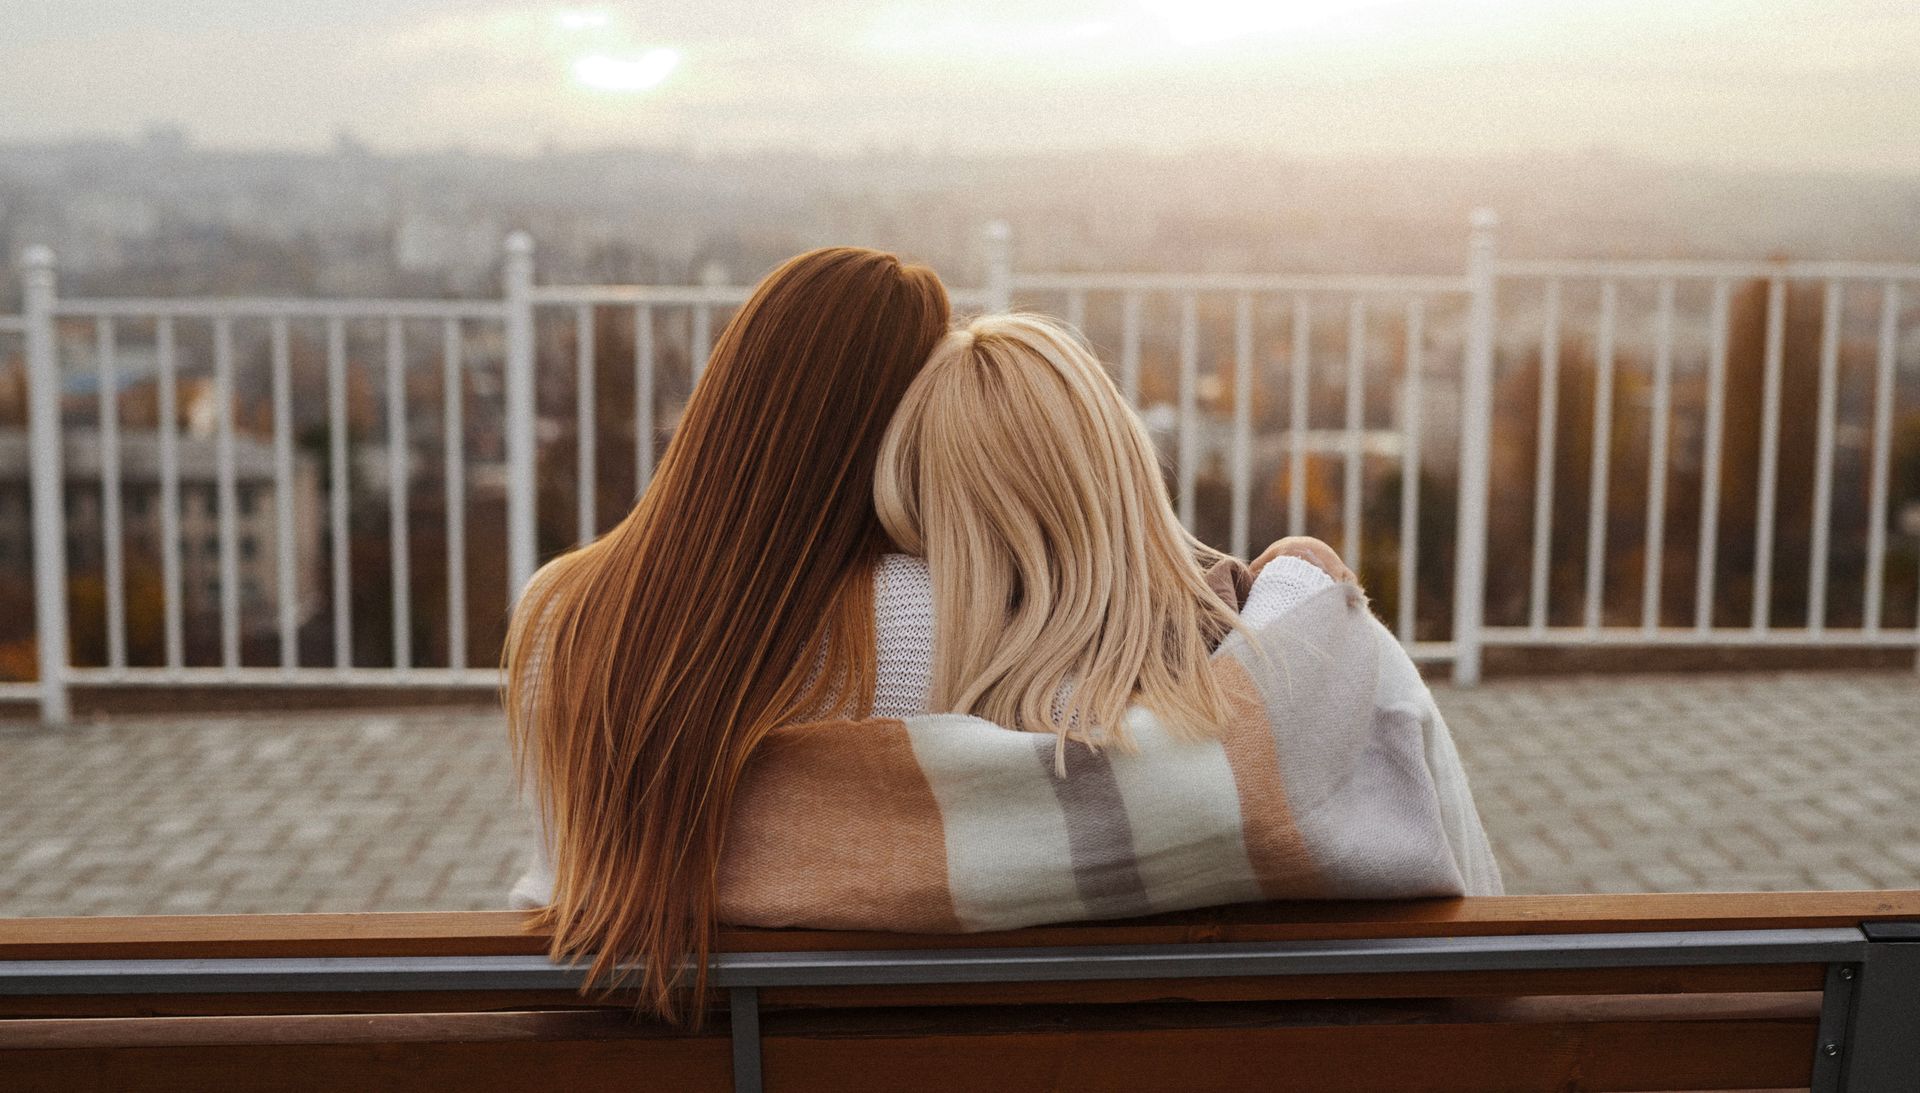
(1077, 310)
(453, 392)
(1130, 348)
(1658, 431)
(227, 498)
(519, 403)
(283, 538)
(338, 478)
(46, 485)
(1297, 417)
(1189, 471)
(169, 424)
(1545, 448)
(1769, 454)
(1477, 363)
(1602, 452)
(1410, 440)
(702, 341)
(1353, 473)
(397, 499)
(1877, 485)
(1241, 530)
(642, 397)
(583, 422)
(112, 527)
(1709, 549)
(1831, 303)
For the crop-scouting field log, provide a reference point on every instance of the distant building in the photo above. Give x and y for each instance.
(255, 525)
(464, 245)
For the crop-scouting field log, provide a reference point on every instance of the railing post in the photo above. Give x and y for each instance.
(999, 266)
(521, 412)
(1476, 429)
(48, 478)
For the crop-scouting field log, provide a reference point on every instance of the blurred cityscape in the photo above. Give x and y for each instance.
(161, 216)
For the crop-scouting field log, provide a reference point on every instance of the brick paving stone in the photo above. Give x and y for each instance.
(1587, 784)
(1774, 781)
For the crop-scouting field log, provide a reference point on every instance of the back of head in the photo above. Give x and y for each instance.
(643, 668)
(1015, 467)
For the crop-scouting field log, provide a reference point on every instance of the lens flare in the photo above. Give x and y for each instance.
(638, 72)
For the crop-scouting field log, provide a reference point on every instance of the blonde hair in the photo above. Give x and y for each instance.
(1064, 587)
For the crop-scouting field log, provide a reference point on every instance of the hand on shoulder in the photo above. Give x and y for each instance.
(1309, 550)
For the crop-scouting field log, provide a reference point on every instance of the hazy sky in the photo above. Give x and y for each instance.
(1827, 84)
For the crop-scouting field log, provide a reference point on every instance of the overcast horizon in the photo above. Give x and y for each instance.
(1766, 84)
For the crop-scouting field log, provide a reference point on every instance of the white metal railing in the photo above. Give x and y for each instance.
(1245, 372)
(1711, 287)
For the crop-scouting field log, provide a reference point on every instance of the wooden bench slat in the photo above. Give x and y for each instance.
(638, 1063)
(110, 1033)
(1723, 1053)
(504, 932)
(1627, 1055)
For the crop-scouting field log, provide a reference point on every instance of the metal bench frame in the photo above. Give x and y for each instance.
(1868, 1040)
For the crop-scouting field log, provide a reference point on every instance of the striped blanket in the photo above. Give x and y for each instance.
(1336, 778)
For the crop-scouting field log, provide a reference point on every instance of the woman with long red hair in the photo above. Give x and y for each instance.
(643, 668)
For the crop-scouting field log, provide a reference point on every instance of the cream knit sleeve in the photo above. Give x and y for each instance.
(903, 636)
(1284, 584)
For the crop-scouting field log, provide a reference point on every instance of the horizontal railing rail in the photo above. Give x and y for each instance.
(350, 492)
(1389, 284)
(1708, 269)
(235, 307)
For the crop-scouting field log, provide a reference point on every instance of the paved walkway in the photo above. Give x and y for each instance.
(1595, 784)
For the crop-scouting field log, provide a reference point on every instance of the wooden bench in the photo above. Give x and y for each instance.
(1817, 990)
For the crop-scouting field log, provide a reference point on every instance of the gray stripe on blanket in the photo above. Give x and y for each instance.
(1098, 835)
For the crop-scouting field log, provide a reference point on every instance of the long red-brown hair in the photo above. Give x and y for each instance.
(643, 668)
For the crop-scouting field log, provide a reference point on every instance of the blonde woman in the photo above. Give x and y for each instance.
(1030, 504)
(1064, 590)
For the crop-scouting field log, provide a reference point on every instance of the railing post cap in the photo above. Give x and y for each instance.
(519, 244)
(1485, 219)
(37, 257)
(999, 231)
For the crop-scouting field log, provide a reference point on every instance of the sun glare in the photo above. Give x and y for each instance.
(582, 20)
(625, 73)
(1196, 22)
